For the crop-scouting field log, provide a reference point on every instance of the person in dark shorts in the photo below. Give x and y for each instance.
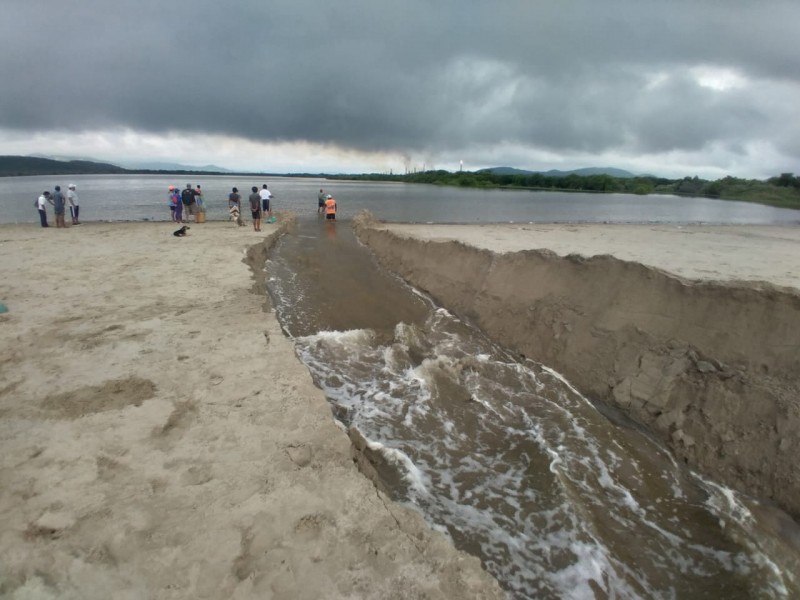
(255, 208)
(74, 207)
(330, 208)
(266, 196)
(321, 202)
(41, 205)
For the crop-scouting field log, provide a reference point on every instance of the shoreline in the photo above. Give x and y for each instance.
(160, 438)
(692, 334)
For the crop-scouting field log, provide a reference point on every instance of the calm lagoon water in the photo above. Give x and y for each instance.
(144, 198)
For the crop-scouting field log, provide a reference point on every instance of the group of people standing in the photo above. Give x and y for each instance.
(260, 204)
(182, 204)
(58, 200)
(188, 199)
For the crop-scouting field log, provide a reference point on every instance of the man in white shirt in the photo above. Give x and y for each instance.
(266, 206)
(41, 204)
(72, 198)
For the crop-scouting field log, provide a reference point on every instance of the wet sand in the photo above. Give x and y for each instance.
(159, 438)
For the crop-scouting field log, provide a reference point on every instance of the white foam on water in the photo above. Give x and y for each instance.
(350, 339)
(592, 566)
(734, 514)
(415, 478)
(515, 464)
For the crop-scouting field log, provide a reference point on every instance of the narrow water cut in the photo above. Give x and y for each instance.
(504, 455)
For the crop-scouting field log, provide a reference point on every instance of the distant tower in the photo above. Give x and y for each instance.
(460, 166)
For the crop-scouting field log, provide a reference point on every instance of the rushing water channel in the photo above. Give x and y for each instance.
(501, 453)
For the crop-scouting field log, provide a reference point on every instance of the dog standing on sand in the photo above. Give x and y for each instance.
(181, 232)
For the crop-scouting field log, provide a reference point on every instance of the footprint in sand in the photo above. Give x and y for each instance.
(197, 475)
(300, 454)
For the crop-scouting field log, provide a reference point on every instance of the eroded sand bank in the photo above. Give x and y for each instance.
(692, 331)
(159, 439)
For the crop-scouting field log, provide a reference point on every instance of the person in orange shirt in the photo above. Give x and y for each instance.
(330, 208)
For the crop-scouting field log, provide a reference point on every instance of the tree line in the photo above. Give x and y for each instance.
(783, 190)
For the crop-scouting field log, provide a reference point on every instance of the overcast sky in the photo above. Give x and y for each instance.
(670, 87)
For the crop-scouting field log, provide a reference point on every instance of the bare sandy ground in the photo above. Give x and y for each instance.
(159, 439)
(718, 253)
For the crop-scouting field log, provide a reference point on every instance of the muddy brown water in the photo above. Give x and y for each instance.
(556, 498)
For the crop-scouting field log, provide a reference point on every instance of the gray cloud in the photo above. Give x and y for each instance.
(420, 76)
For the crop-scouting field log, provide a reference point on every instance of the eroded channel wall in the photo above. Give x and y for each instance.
(712, 369)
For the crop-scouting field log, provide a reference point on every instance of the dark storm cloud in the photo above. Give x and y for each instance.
(684, 115)
(417, 76)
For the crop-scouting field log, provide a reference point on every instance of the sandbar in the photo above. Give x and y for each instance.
(159, 438)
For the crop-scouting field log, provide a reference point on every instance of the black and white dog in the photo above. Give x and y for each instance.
(182, 231)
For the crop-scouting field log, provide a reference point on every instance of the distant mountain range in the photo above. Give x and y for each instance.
(168, 166)
(50, 165)
(32, 165)
(142, 165)
(585, 172)
(46, 165)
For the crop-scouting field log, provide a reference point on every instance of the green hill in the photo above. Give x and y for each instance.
(589, 171)
(585, 172)
(11, 166)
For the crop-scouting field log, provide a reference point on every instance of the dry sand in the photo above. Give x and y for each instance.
(693, 332)
(159, 438)
(719, 253)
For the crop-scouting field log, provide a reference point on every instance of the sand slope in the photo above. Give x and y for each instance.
(697, 339)
(159, 439)
(699, 252)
